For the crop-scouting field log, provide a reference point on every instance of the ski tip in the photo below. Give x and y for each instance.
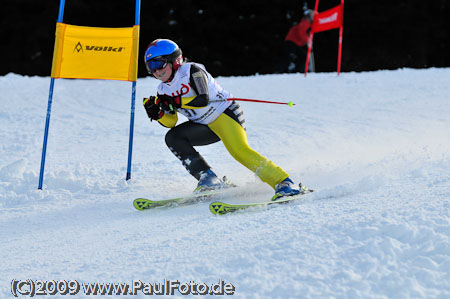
(142, 204)
(221, 208)
(217, 208)
(139, 204)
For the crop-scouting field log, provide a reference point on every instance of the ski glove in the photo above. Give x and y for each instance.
(168, 103)
(154, 112)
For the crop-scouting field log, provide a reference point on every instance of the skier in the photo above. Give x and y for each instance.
(187, 88)
(295, 47)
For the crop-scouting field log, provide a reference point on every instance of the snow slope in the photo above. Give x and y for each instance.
(374, 145)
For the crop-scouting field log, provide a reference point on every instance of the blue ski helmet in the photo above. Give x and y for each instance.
(160, 52)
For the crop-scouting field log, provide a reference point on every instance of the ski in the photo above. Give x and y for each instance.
(221, 208)
(142, 204)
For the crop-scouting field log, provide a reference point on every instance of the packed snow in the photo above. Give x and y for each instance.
(375, 146)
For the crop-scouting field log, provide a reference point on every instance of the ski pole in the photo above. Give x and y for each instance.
(290, 103)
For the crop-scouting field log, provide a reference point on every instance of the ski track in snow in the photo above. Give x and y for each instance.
(374, 145)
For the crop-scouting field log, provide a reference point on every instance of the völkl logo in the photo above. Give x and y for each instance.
(79, 48)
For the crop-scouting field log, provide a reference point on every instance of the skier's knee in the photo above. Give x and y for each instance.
(171, 138)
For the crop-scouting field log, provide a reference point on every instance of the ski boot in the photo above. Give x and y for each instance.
(285, 189)
(208, 181)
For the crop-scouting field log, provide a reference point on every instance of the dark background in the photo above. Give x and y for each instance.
(238, 37)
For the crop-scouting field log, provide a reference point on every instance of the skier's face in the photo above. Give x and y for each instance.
(164, 73)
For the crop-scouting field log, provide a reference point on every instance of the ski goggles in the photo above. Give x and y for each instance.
(156, 64)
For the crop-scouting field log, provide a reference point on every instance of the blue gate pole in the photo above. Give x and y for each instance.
(49, 108)
(133, 99)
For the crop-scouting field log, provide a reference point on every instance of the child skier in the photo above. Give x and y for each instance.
(187, 88)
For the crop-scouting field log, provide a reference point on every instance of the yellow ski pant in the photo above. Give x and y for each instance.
(235, 140)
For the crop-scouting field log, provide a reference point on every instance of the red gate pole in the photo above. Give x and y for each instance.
(310, 39)
(341, 29)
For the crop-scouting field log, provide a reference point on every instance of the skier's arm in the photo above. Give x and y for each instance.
(199, 82)
(168, 120)
(154, 112)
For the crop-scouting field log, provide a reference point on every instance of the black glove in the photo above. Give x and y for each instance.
(168, 103)
(154, 112)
